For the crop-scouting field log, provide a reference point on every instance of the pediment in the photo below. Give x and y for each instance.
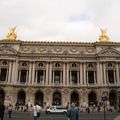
(109, 52)
(7, 50)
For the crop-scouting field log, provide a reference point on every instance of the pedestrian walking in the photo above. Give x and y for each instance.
(73, 113)
(36, 111)
(2, 109)
(10, 108)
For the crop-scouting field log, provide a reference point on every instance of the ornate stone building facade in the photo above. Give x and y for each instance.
(59, 72)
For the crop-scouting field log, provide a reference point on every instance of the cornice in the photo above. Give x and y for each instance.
(60, 43)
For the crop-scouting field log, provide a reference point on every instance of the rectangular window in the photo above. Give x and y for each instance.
(23, 76)
(74, 77)
(57, 77)
(91, 77)
(111, 76)
(40, 76)
(3, 74)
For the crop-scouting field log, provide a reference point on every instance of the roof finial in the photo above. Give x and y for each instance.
(12, 35)
(103, 37)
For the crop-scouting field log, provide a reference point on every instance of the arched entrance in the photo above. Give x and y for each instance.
(2, 95)
(92, 99)
(21, 97)
(57, 98)
(75, 98)
(113, 98)
(39, 98)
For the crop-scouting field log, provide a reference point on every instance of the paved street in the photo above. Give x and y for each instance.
(82, 116)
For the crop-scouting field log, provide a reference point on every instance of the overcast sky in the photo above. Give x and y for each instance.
(60, 20)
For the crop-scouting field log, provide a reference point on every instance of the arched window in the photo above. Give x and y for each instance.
(75, 98)
(2, 95)
(57, 98)
(21, 97)
(113, 98)
(92, 98)
(39, 98)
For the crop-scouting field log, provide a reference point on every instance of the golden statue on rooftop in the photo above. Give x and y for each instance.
(104, 37)
(12, 35)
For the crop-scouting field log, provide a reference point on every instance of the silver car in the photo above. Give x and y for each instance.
(56, 109)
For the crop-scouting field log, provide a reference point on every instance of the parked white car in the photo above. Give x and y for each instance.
(56, 109)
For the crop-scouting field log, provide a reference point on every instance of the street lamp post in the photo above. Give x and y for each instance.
(104, 99)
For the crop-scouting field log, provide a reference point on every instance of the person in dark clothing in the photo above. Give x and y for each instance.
(10, 110)
(73, 113)
(2, 109)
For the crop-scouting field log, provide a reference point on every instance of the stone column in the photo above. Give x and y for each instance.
(33, 73)
(36, 71)
(47, 74)
(53, 75)
(101, 75)
(81, 75)
(117, 74)
(104, 74)
(70, 82)
(115, 79)
(27, 77)
(98, 74)
(67, 74)
(13, 72)
(50, 75)
(95, 80)
(64, 74)
(30, 73)
(87, 81)
(43, 83)
(19, 76)
(16, 72)
(9, 73)
(84, 74)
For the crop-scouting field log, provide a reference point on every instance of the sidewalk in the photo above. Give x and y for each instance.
(117, 118)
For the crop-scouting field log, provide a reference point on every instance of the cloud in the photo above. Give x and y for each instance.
(60, 20)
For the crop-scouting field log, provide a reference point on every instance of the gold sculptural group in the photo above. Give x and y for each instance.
(12, 35)
(104, 37)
